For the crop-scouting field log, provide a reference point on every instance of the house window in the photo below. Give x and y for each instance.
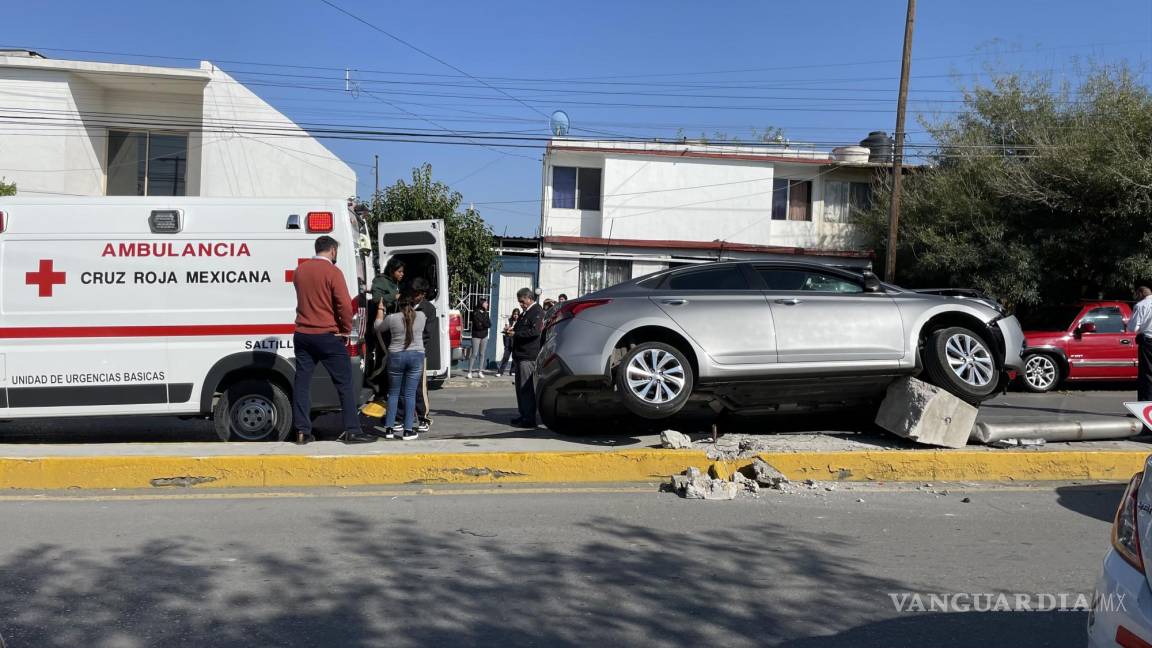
(842, 199)
(142, 163)
(598, 274)
(791, 199)
(576, 188)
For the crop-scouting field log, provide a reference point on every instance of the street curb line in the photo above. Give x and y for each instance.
(132, 472)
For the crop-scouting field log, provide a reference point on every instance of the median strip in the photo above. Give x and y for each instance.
(641, 465)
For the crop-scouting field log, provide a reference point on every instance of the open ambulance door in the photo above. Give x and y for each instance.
(421, 246)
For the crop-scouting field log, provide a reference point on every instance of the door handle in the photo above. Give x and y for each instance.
(1125, 341)
(790, 302)
(674, 302)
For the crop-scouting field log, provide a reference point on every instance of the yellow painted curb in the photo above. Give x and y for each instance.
(104, 472)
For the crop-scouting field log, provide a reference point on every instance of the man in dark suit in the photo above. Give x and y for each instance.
(526, 335)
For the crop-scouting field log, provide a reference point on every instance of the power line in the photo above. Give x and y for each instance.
(427, 54)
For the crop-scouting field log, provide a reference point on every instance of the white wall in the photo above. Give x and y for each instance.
(560, 274)
(693, 199)
(59, 154)
(243, 164)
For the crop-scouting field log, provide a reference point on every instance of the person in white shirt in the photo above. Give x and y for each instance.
(1141, 324)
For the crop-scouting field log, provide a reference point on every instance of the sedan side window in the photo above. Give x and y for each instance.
(791, 280)
(1108, 319)
(727, 278)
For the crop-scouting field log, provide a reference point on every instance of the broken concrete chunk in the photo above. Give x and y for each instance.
(744, 483)
(766, 475)
(679, 482)
(924, 413)
(692, 472)
(674, 439)
(706, 488)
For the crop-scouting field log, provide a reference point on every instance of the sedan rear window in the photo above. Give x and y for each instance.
(728, 278)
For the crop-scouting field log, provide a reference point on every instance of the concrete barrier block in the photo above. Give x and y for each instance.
(924, 413)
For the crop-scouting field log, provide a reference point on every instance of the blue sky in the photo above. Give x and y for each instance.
(825, 72)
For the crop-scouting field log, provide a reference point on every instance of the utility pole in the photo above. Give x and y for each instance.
(376, 169)
(898, 153)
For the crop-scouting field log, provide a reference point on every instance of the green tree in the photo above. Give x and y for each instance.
(7, 188)
(1036, 192)
(468, 237)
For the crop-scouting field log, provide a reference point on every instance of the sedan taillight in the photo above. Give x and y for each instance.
(1125, 532)
(572, 308)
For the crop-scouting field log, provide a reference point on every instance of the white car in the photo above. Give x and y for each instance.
(1122, 605)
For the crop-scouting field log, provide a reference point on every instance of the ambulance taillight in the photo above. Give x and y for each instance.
(3, 221)
(318, 222)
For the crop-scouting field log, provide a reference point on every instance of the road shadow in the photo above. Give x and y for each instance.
(960, 630)
(1097, 501)
(382, 580)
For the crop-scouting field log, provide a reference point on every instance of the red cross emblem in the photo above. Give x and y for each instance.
(45, 278)
(290, 274)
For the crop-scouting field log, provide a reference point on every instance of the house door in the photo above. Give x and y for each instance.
(510, 283)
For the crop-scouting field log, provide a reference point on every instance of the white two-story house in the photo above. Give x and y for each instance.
(617, 210)
(82, 128)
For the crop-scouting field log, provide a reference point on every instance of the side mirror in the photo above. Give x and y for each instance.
(872, 282)
(1086, 327)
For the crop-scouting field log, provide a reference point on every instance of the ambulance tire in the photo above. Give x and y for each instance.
(253, 410)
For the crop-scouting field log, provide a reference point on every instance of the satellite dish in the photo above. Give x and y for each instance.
(559, 122)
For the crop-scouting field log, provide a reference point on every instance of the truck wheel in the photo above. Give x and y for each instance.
(654, 380)
(961, 363)
(253, 410)
(1041, 373)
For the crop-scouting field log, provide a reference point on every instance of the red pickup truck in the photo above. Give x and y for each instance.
(1081, 342)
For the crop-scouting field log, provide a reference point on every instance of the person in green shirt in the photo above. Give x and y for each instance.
(385, 293)
(386, 286)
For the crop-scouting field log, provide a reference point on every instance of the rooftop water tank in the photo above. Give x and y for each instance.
(880, 146)
(852, 154)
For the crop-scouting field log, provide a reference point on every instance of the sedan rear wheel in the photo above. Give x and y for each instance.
(1041, 373)
(654, 380)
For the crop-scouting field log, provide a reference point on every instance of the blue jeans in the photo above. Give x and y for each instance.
(404, 369)
(329, 350)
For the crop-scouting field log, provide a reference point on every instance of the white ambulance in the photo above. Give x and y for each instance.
(181, 306)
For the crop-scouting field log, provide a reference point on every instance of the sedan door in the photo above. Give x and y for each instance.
(824, 316)
(723, 314)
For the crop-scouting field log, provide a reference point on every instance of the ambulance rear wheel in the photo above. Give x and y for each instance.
(253, 410)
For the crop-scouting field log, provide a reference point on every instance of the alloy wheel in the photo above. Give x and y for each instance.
(1040, 372)
(655, 376)
(970, 360)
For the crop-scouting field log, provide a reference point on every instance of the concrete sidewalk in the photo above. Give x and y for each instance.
(472, 442)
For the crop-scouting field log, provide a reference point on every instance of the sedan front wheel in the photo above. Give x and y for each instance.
(959, 361)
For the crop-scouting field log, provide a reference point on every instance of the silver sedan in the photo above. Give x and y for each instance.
(743, 336)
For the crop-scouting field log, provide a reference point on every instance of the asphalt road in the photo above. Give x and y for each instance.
(504, 567)
(471, 412)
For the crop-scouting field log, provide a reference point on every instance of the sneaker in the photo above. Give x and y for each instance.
(468, 376)
(350, 438)
(410, 435)
(424, 426)
(394, 432)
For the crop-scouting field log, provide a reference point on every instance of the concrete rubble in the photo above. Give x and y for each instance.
(924, 413)
(675, 440)
(768, 476)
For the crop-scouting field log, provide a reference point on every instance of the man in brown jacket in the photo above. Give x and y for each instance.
(323, 323)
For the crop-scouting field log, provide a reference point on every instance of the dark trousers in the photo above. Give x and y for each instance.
(1144, 369)
(507, 356)
(329, 350)
(526, 389)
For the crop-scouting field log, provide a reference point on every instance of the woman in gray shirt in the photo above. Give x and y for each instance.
(404, 331)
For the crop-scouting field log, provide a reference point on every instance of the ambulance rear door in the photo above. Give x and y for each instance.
(421, 246)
